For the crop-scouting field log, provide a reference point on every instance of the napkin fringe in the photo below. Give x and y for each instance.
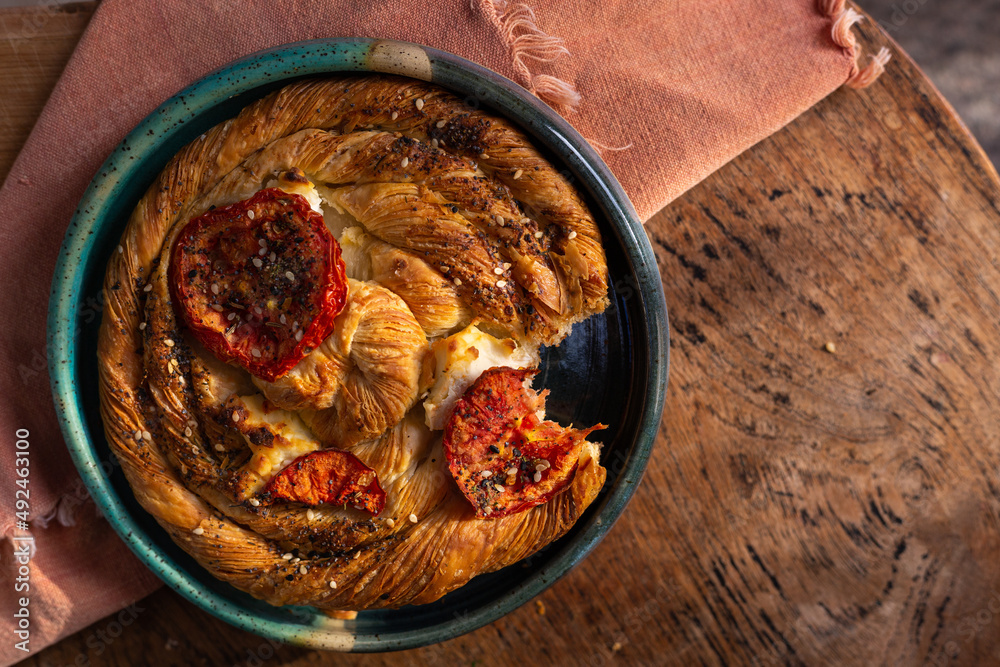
(519, 31)
(844, 19)
(64, 512)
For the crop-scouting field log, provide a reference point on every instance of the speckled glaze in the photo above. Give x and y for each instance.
(613, 368)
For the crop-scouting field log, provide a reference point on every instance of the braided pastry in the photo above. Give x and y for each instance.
(317, 352)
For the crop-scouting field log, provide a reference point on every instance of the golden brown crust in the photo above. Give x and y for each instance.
(479, 225)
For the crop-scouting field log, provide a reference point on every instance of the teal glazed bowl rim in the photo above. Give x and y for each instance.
(99, 221)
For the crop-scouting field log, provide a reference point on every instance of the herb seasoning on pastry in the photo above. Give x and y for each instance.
(323, 325)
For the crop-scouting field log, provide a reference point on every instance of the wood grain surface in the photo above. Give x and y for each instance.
(35, 44)
(826, 484)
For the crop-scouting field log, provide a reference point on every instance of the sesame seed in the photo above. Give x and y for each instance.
(137, 435)
(303, 569)
(258, 310)
(571, 235)
(484, 156)
(296, 560)
(434, 143)
(501, 284)
(290, 276)
(198, 531)
(287, 556)
(273, 256)
(458, 282)
(439, 124)
(537, 476)
(518, 174)
(236, 417)
(498, 271)
(546, 464)
(395, 115)
(251, 214)
(500, 220)
(262, 243)
(390, 523)
(231, 317)
(333, 584)
(539, 467)
(506, 265)
(121, 250)
(169, 342)
(262, 252)
(283, 319)
(486, 474)
(255, 502)
(216, 307)
(538, 234)
(298, 335)
(147, 436)
(499, 487)
(255, 352)
(405, 162)
(219, 447)
(413, 518)
(511, 471)
(357, 555)
(148, 287)
(142, 325)
(188, 432)
(310, 515)
(257, 262)
(445, 269)
(420, 104)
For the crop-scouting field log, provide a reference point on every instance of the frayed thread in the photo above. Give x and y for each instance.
(527, 42)
(844, 19)
(65, 510)
(601, 148)
(555, 91)
(841, 33)
(866, 76)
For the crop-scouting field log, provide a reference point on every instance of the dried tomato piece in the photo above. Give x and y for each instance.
(259, 282)
(329, 476)
(503, 457)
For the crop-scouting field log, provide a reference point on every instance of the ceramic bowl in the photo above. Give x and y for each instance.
(612, 369)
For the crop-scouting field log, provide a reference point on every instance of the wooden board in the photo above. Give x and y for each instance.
(35, 44)
(804, 505)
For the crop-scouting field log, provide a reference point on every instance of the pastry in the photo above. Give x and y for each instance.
(322, 327)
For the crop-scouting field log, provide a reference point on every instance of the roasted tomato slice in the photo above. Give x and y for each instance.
(259, 282)
(329, 476)
(503, 457)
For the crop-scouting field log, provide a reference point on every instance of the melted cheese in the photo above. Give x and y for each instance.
(335, 217)
(460, 359)
(307, 190)
(291, 438)
(354, 250)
